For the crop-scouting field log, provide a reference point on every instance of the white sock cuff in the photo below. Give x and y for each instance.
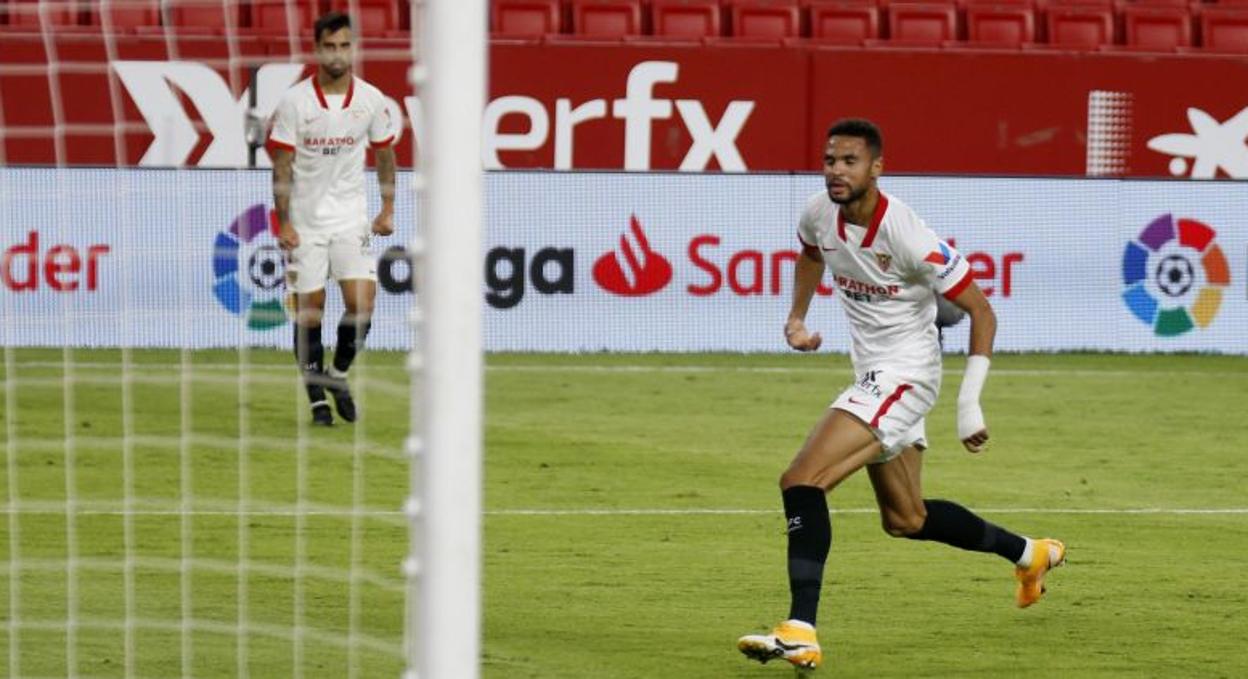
(1029, 553)
(334, 372)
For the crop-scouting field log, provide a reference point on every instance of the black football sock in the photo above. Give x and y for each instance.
(310, 354)
(351, 337)
(810, 538)
(956, 525)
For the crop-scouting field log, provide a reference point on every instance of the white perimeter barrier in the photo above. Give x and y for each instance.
(624, 262)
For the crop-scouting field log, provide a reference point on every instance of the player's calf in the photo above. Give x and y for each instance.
(310, 353)
(352, 331)
(336, 382)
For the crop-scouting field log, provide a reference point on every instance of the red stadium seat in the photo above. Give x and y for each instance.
(1111, 4)
(201, 16)
(1013, 3)
(765, 18)
(606, 18)
(126, 15)
(271, 17)
(33, 14)
(524, 18)
(373, 17)
(1225, 29)
(685, 18)
(844, 21)
(922, 23)
(1157, 27)
(1080, 27)
(1003, 25)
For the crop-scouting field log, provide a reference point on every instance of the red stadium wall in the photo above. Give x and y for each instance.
(694, 107)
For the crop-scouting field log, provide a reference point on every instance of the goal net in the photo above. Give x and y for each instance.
(169, 509)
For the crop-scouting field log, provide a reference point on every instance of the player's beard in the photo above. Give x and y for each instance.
(854, 194)
(336, 69)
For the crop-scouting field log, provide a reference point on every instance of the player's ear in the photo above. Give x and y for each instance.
(877, 167)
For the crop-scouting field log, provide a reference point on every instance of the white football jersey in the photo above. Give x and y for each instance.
(885, 273)
(327, 134)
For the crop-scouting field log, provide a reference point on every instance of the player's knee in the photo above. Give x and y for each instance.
(794, 477)
(309, 317)
(904, 525)
(357, 317)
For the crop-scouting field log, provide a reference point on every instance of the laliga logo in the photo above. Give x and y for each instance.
(1163, 287)
(248, 268)
(647, 271)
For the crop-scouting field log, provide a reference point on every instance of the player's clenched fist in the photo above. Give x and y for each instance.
(798, 337)
(383, 225)
(971, 428)
(287, 237)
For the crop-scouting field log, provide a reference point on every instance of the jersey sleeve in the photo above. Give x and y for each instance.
(807, 231)
(382, 130)
(283, 133)
(932, 260)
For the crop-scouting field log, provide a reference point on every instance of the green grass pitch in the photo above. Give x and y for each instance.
(633, 528)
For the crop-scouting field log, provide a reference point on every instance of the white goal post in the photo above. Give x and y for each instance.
(444, 569)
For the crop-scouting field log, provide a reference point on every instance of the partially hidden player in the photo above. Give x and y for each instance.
(320, 129)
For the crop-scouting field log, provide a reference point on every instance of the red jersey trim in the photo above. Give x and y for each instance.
(873, 228)
(273, 144)
(888, 403)
(876, 219)
(320, 94)
(383, 143)
(958, 287)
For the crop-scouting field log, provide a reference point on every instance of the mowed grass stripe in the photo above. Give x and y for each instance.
(633, 525)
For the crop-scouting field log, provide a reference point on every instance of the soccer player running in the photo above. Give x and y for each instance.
(317, 145)
(888, 266)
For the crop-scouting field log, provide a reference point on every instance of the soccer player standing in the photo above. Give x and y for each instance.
(317, 143)
(888, 266)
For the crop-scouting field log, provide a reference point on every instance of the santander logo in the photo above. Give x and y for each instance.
(644, 271)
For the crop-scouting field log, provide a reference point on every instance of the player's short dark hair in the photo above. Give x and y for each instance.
(331, 22)
(863, 129)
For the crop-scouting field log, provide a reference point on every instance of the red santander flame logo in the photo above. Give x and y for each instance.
(643, 272)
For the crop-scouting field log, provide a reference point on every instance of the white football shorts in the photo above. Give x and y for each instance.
(344, 254)
(894, 404)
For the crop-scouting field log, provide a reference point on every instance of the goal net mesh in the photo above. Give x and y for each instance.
(169, 509)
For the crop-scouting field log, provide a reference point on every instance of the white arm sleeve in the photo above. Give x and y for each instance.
(970, 415)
